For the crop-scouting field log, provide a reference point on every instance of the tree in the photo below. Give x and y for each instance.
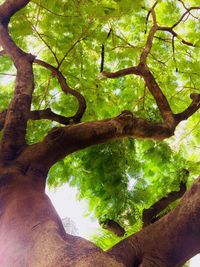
(154, 64)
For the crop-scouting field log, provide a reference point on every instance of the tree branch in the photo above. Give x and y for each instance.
(120, 73)
(173, 33)
(151, 214)
(66, 89)
(160, 98)
(9, 8)
(184, 14)
(113, 227)
(193, 107)
(13, 139)
(177, 235)
(62, 141)
(147, 49)
(48, 114)
(45, 42)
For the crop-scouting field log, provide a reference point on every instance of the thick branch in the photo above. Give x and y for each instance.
(10, 7)
(113, 227)
(193, 107)
(62, 141)
(150, 215)
(66, 89)
(160, 98)
(177, 236)
(17, 115)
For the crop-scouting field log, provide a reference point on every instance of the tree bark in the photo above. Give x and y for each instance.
(31, 233)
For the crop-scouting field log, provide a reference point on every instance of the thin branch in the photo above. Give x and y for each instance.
(102, 57)
(173, 33)
(184, 14)
(149, 13)
(120, 73)
(69, 50)
(66, 89)
(52, 12)
(150, 37)
(44, 114)
(125, 41)
(45, 42)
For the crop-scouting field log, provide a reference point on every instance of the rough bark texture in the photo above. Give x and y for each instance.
(31, 233)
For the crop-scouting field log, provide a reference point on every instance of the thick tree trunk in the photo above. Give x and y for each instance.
(31, 233)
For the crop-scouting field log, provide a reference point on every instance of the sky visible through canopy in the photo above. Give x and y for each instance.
(123, 38)
(65, 201)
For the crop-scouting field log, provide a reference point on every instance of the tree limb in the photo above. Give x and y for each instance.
(173, 33)
(45, 114)
(62, 141)
(66, 89)
(150, 215)
(120, 73)
(160, 98)
(9, 8)
(113, 227)
(150, 37)
(17, 115)
(177, 235)
(193, 107)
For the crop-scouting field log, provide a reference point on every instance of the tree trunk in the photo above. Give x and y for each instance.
(31, 233)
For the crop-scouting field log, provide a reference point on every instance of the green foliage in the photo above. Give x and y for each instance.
(121, 178)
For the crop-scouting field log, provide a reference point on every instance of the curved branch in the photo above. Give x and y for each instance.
(48, 114)
(177, 235)
(9, 8)
(13, 139)
(66, 89)
(184, 14)
(45, 114)
(62, 141)
(193, 107)
(173, 33)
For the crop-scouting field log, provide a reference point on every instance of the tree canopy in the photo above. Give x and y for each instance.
(101, 47)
